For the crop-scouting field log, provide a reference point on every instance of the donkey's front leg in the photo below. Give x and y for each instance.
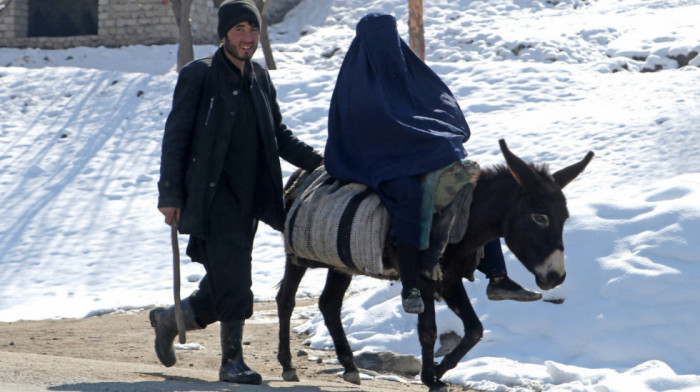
(285, 306)
(458, 301)
(330, 304)
(427, 334)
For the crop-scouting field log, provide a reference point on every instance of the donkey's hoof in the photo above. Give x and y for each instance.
(290, 375)
(438, 387)
(353, 377)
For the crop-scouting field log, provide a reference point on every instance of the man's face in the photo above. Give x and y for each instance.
(241, 42)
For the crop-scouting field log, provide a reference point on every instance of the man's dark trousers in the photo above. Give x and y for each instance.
(225, 291)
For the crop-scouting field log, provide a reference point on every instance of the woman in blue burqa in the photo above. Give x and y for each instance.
(392, 119)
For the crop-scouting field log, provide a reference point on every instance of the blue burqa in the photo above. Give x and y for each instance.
(391, 119)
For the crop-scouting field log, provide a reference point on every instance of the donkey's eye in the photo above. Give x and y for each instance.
(540, 220)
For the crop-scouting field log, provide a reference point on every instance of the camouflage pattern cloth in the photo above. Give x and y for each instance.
(440, 187)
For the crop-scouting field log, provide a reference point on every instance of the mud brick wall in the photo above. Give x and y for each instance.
(119, 23)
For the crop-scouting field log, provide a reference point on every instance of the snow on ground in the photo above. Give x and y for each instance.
(80, 148)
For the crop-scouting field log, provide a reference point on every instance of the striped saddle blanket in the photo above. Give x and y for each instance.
(340, 224)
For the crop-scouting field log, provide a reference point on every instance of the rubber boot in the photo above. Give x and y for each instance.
(408, 270)
(164, 323)
(233, 369)
(503, 288)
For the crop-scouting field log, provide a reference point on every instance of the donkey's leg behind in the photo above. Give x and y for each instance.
(285, 306)
(330, 304)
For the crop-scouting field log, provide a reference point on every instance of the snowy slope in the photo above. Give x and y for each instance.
(80, 148)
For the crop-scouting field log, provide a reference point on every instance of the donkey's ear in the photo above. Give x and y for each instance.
(567, 174)
(523, 173)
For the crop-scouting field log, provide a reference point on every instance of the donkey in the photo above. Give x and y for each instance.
(522, 202)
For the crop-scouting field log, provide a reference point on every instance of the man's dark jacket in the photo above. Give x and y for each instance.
(197, 137)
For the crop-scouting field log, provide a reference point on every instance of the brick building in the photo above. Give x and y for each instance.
(60, 24)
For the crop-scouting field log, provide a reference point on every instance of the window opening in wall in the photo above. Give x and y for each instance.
(62, 18)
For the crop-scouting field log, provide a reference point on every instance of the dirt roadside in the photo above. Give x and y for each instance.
(114, 352)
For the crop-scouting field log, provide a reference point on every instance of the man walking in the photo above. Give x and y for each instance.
(220, 175)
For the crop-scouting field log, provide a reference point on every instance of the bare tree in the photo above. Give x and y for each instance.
(4, 5)
(185, 49)
(264, 37)
(415, 27)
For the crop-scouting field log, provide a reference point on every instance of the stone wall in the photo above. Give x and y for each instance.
(120, 23)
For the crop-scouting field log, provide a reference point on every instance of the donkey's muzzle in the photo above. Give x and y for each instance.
(551, 273)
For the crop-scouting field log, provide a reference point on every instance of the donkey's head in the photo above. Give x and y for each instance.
(534, 225)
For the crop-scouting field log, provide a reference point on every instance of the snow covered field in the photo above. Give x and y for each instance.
(80, 134)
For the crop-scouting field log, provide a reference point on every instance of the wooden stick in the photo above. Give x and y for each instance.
(179, 317)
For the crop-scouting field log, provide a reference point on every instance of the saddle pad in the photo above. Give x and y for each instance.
(340, 224)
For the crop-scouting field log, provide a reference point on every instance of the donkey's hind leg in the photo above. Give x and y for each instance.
(285, 306)
(330, 304)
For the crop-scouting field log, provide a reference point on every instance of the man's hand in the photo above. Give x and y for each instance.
(169, 212)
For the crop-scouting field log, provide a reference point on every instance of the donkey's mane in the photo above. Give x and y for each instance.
(501, 171)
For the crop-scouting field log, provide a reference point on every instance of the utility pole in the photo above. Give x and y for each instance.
(415, 27)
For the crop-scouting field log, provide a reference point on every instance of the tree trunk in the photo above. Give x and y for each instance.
(415, 27)
(4, 6)
(185, 50)
(264, 37)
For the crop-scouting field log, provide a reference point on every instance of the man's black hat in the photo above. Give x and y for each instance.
(233, 12)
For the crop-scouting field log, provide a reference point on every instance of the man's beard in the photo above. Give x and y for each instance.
(232, 50)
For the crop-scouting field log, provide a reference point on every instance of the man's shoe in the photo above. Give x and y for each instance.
(413, 303)
(503, 288)
(233, 368)
(165, 326)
